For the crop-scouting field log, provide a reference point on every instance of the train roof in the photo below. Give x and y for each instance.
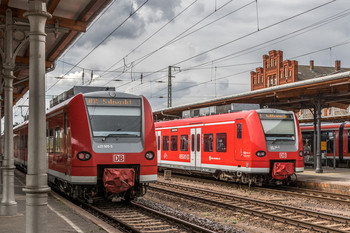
(216, 118)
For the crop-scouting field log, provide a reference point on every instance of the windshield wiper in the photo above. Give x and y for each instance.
(117, 134)
(281, 139)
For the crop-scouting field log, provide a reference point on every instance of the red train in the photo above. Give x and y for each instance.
(254, 146)
(98, 144)
(335, 140)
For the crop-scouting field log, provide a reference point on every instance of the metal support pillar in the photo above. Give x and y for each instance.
(8, 205)
(36, 180)
(169, 88)
(318, 154)
(315, 136)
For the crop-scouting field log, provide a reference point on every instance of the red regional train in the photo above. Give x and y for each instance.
(335, 140)
(98, 144)
(252, 147)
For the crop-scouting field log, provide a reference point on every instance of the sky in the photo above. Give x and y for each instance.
(211, 45)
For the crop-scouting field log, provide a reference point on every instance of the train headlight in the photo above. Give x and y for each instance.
(301, 153)
(149, 155)
(260, 153)
(84, 156)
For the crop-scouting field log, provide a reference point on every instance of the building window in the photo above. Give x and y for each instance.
(286, 72)
(174, 143)
(165, 142)
(275, 81)
(208, 142)
(184, 143)
(221, 142)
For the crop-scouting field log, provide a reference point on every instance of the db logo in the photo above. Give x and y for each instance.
(283, 155)
(119, 158)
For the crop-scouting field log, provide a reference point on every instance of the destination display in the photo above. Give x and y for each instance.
(272, 116)
(113, 101)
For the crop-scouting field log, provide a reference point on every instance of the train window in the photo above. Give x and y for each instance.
(349, 141)
(57, 140)
(184, 143)
(127, 121)
(51, 148)
(239, 130)
(221, 142)
(65, 123)
(208, 142)
(165, 142)
(198, 142)
(158, 142)
(174, 143)
(192, 142)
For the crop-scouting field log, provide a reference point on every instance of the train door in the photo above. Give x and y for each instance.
(196, 148)
(159, 136)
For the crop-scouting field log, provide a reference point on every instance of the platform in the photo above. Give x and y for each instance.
(62, 217)
(331, 180)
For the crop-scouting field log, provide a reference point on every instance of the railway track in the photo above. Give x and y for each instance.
(300, 218)
(309, 193)
(285, 190)
(136, 218)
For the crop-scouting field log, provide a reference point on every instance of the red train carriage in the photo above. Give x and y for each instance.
(250, 146)
(98, 144)
(335, 143)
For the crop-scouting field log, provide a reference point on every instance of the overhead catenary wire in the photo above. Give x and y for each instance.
(112, 32)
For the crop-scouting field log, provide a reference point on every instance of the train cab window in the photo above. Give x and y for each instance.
(239, 130)
(174, 143)
(184, 143)
(165, 142)
(221, 142)
(208, 142)
(51, 148)
(192, 142)
(57, 140)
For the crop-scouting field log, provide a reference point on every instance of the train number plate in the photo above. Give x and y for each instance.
(283, 155)
(118, 158)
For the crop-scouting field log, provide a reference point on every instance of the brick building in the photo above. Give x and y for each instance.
(276, 71)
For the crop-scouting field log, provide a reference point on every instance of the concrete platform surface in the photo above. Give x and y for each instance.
(331, 180)
(62, 217)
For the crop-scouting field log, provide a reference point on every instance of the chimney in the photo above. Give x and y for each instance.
(337, 65)
(311, 64)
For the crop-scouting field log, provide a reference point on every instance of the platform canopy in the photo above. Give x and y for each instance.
(69, 19)
(333, 91)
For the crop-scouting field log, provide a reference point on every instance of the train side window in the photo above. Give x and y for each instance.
(65, 123)
(51, 148)
(174, 143)
(192, 142)
(198, 142)
(221, 142)
(57, 140)
(239, 130)
(349, 141)
(208, 142)
(184, 143)
(165, 142)
(158, 142)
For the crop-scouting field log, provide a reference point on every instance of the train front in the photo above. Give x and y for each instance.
(283, 153)
(122, 156)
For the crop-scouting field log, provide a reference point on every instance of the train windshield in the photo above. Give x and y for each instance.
(278, 127)
(115, 121)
